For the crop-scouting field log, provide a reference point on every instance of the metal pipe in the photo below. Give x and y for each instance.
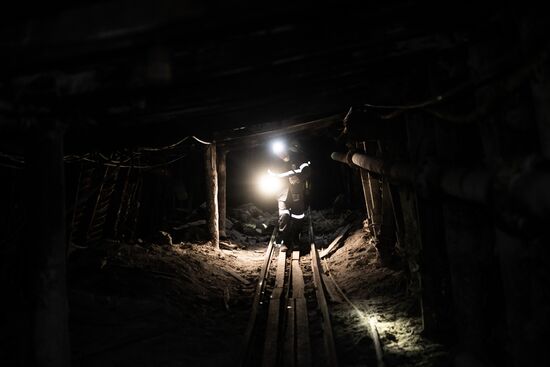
(341, 157)
(471, 185)
(395, 171)
(464, 184)
(526, 191)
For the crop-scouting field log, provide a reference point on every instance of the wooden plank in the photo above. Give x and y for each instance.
(297, 276)
(280, 274)
(273, 317)
(288, 351)
(330, 348)
(269, 358)
(334, 244)
(303, 347)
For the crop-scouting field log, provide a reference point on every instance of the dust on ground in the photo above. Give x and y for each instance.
(174, 300)
(149, 304)
(380, 293)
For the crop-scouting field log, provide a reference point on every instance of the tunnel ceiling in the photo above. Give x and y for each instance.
(135, 72)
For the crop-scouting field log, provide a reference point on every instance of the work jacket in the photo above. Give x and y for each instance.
(295, 174)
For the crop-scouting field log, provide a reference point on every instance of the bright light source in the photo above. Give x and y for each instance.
(278, 147)
(269, 185)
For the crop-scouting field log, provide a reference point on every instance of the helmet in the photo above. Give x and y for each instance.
(280, 147)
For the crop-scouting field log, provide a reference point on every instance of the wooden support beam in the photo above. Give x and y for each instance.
(366, 193)
(43, 331)
(222, 198)
(388, 224)
(373, 188)
(289, 353)
(259, 134)
(212, 195)
(365, 181)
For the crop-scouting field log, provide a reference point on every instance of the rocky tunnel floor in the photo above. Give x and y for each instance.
(145, 305)
(380, 293)
(182, 303)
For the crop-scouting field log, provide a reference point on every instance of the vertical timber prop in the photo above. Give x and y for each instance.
(44, 336)
(222, 199)
(367, 193)
(376, 199)
(382, 219)
(388, 227)
(212, 194)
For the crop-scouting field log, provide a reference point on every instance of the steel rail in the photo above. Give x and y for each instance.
(287, 340)
(332, 360)
(260, 289)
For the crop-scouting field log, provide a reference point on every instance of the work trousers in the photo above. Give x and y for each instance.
(290, 224)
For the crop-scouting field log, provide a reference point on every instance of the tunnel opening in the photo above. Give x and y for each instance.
(146, 286)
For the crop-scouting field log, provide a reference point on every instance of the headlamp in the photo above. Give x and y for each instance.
(278, 147)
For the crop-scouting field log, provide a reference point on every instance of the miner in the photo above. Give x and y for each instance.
(294, 172)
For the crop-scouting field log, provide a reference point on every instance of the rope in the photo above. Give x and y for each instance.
(109, 162)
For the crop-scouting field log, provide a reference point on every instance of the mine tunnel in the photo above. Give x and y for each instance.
(299, 183)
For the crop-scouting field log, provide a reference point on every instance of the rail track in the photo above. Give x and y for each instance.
(290, 323)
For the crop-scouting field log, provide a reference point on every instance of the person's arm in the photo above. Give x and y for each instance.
(282, 174)
(303, 169)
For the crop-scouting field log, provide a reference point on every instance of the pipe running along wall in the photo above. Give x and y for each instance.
(523, 188)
